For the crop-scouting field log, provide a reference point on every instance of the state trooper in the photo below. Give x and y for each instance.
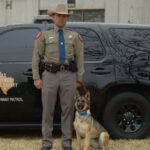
(62, 50)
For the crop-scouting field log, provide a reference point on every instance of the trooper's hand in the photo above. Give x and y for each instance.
(38, 83)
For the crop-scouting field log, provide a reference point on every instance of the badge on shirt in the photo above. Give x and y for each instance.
(70, 37)
(39, 34)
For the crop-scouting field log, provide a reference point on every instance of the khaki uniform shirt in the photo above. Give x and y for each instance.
(47, 45)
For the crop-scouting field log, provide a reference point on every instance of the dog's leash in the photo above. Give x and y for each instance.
(83, 87)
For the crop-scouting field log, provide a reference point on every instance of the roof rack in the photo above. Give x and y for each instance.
(43, 19)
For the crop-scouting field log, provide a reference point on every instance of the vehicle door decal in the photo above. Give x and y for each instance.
(6, 83)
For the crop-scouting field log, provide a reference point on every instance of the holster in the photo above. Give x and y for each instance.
(73, 65)
(41, 67)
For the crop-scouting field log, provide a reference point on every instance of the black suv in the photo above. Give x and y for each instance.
(117, 73)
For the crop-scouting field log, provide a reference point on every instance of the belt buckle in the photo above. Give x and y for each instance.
(62, 68)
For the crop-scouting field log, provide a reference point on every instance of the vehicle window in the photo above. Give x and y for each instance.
(131, 39)
(93, 49)
(17, 44)
(132, 47)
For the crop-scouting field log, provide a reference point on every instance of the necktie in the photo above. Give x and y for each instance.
(62, 56)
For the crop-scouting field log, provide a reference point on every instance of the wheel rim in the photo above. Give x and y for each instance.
(130, 118)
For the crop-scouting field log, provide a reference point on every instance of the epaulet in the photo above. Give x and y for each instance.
(40, 33)
(70, 29)
(80, 38)
(49, 28)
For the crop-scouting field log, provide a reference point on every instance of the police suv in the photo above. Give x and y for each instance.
(117, 73)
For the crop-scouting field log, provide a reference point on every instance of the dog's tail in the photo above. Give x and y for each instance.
(104, 140)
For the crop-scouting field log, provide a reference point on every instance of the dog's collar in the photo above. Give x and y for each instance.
(83, 113)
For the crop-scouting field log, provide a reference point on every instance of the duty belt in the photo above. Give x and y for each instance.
(52, 67)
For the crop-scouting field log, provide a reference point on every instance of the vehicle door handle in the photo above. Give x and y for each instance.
(28, 73)
(100, 71)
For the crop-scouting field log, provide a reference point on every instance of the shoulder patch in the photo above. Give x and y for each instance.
(39, 34)
(80, 38)
(49, 28)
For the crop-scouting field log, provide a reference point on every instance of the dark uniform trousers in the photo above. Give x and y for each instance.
(63, 83)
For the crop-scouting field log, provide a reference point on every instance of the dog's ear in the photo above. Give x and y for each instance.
(88, 95)
(76, 95)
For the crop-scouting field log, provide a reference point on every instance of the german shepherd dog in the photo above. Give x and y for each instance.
(86, 126)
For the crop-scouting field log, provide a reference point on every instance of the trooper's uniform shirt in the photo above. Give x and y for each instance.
(47, 45)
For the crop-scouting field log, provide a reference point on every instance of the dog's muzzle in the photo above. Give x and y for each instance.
(80, 106)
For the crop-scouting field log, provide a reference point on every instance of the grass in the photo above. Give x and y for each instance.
(31, 140)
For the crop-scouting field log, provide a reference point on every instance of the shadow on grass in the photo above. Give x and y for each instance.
(18, 133)
(31, 133)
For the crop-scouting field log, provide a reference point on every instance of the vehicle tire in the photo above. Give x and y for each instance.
(127, 116)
